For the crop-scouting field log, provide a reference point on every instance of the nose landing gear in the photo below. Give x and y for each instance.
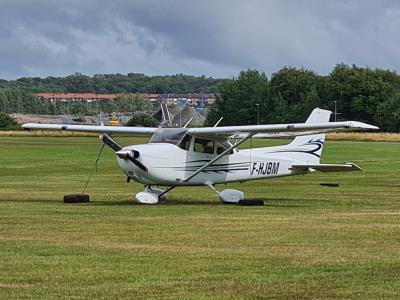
(150, 195)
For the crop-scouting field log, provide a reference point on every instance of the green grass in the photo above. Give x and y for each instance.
(307, 242)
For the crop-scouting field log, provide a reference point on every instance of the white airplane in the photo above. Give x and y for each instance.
(208, 156)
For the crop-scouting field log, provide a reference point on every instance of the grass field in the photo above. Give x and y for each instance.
(307, 242)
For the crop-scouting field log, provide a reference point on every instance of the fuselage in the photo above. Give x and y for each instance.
(167, 164)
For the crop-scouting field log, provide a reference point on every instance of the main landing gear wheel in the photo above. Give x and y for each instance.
(227, 196)
(231, 196)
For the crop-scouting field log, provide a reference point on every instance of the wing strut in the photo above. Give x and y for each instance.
(237, 143)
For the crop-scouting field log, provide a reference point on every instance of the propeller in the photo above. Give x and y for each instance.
(110, 142)
(131, 155)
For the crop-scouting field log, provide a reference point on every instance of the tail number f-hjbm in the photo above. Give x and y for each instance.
(261, 168)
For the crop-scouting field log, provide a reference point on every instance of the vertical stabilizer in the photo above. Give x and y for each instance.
(314, 142)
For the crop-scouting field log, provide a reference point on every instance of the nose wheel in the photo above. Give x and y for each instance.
(151, 195)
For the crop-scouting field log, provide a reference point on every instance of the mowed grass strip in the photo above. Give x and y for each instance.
(308, 241)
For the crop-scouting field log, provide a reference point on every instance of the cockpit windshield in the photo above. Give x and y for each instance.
(168, 135)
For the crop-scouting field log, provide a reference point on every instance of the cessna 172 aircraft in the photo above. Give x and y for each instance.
(208, 156)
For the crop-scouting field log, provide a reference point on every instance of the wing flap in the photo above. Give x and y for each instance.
(348, 167)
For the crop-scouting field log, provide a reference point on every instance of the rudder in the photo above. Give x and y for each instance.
(315, 141)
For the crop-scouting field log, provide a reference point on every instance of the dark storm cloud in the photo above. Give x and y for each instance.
(217, 38)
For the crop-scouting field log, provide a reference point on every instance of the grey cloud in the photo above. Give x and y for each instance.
(218, 38)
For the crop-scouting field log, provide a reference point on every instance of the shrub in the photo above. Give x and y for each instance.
(141, 119)
(7, 123)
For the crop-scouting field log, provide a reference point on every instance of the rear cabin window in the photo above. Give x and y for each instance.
(222, 146)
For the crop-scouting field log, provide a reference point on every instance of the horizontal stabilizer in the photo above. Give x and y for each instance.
(348, 167)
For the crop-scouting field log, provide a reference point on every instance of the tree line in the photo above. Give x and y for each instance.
(362, 94)
(116, 83)
(289, 95)
(16, 101)
(18, 96)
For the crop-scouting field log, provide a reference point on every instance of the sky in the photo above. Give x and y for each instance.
(217, 38)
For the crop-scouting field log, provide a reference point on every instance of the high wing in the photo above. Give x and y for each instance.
(92, 128)
(310, 127)
(259, 131)
(278, 130)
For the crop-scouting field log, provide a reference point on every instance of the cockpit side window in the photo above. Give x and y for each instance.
(185, 143)
(203, 146)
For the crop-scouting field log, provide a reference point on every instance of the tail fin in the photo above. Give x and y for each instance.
(313, 144)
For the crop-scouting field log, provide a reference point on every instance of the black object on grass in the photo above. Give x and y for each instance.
(253, 202)
(77, 198)
(331, 184)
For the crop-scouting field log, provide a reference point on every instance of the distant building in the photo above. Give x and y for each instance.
(192, 99)
(89, 97)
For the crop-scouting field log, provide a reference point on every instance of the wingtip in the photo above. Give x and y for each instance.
(370, 127)
(363, 126)
(29, 126)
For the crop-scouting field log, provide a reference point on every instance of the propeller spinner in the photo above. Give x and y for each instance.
(131, 155)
